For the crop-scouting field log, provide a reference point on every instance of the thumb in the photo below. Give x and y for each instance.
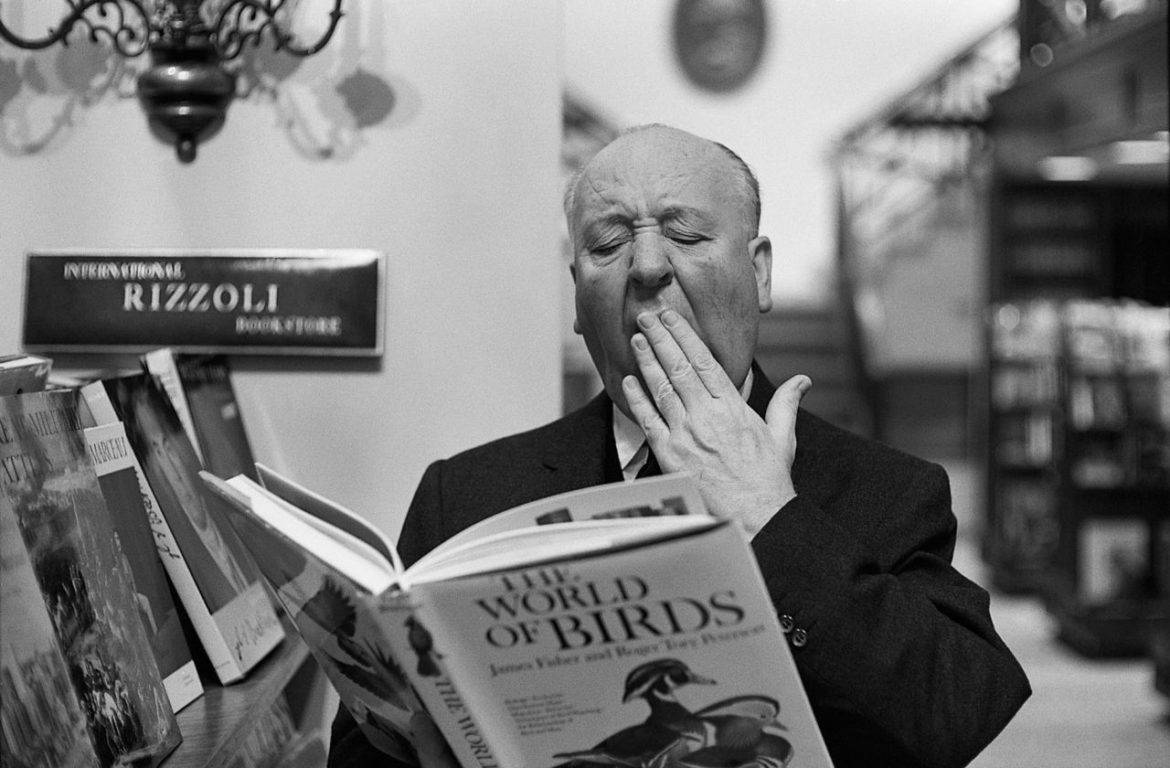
(781, 413)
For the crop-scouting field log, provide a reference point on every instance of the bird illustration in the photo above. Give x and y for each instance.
(331, 609)
(424, 647)
(669, 731)
(737, 738)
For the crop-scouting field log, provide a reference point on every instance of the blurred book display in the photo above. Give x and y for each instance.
(215, 415)
(539, 643)
(215, 577)
(200, 390)
(114, 581)
(1079, 463)
(59, 513)
(126, 497)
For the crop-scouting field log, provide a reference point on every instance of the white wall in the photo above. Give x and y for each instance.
(459, 187)
(829, 64)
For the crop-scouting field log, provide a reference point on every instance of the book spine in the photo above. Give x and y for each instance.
(411, 628)
(214, 644)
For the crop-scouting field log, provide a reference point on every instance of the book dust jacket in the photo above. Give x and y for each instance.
(85, 581)
(663, 654)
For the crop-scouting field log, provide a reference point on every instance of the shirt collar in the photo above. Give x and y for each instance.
(629, 437)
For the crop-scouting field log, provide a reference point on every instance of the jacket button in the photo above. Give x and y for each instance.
(786, 624)
(799, 638)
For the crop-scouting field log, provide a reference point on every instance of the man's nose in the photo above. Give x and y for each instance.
(650, 264)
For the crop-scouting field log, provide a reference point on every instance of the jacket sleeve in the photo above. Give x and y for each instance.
(895, 647)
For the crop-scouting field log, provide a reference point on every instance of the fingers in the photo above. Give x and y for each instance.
(675, 360)
(644, 412)
(781, 413)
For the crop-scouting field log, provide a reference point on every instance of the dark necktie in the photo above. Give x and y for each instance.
(651, 468)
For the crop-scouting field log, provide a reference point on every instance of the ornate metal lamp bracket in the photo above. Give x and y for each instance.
(187, 89)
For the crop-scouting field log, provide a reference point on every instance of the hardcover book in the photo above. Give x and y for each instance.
(118, 474)
(84, 580)
(215, 414)
(214, 575)
(23, 373)
(160, 363)
(618, 625)
(42, 724)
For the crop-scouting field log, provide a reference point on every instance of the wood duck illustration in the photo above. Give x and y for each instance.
(668, 732)
(424, 647)
(736, 736)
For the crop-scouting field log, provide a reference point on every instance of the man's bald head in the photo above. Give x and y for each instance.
(745, 182)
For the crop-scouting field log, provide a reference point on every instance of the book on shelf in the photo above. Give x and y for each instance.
(215, 414)
(616, 625)
(55, 499)
(41, 721)
(126, 498)
(23, 373)
(217, 582)
(161, 364)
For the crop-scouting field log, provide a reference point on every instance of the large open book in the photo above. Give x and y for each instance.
(617, 625)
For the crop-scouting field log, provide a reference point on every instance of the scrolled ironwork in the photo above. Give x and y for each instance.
(247, 21)
(126, 36)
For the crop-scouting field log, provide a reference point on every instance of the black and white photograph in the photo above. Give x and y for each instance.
(882, 286)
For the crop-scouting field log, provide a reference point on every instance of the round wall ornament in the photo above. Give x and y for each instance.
(719, 43)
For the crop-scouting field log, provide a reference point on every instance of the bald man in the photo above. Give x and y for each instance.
(895, 648)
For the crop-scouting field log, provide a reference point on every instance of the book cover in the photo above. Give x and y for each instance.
(667, 653)
(41, 721)
(215, 414)
(23, 373)
(84, 579)
(160, 363)
(117, 472)
(237, 624)
(617, 625)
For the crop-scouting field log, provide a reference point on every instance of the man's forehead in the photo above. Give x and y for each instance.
(660, 162)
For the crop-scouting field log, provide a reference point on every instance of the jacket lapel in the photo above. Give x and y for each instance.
(581, 448)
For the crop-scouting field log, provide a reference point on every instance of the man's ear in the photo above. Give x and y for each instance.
(573, 274)
(760, 251)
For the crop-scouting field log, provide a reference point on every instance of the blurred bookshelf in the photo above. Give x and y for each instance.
(1076, 372)
(1079, 465)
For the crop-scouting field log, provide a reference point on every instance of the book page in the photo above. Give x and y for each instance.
(329, 512)
(527, 547)
(664, 496)
(351, 557)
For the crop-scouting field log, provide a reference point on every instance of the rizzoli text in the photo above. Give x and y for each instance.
(198, 297)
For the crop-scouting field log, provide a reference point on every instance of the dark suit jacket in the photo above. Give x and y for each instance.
(897, 650)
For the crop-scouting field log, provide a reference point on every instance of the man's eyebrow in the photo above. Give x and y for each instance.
(686, 213)
(608, 220)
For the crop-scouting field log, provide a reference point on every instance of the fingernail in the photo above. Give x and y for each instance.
(804, 385)
(639, 341)
(630, 383)
(645, 319)
(670, 317)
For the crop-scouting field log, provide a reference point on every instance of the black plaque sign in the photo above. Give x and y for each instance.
(287, 302)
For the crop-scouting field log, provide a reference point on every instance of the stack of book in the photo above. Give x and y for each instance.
(122, 579)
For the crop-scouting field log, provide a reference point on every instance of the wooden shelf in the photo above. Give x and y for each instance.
(216, 724)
